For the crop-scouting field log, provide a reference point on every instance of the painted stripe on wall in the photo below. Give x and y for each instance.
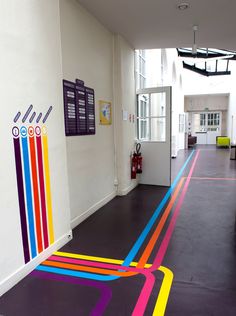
(48, 186)
(20, 187)
(42, 191)
(29, 201)
(36, 194)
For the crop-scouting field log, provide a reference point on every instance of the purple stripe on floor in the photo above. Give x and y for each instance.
(106, 292)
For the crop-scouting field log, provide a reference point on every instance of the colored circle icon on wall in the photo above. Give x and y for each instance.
(23, 131)
(37, 131)
(44, 130)
(15, 131)
(31, 131)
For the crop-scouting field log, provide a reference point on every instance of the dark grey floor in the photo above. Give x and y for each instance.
(201, 253)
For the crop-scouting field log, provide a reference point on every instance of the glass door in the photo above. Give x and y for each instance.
(213, 127)
(206, 126)
(154, 133)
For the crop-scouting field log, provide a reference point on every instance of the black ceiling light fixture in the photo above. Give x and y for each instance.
(183, 6)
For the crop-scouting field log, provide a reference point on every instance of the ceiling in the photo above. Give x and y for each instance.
(159, 24)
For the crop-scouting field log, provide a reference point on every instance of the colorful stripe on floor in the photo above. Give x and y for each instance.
(111, 264)
(145, 232)
(104, 269)
(106, 293)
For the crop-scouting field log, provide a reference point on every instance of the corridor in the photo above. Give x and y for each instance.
(157, 251)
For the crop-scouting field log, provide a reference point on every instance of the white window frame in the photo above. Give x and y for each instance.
(207, 127)
(149, 117)
(140, 69)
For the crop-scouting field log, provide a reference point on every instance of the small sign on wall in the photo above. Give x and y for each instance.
(125, 115)
(105, 112)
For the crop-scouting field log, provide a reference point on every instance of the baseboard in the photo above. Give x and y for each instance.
(79, 219)
(128, 189)
(23, 271)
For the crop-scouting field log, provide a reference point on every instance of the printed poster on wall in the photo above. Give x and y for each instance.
(105, 113)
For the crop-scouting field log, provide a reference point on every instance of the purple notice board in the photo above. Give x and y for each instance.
(90, 106)
(70, 108)
(81, 108)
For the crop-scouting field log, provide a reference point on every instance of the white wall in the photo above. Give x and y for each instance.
(42, 43)
(231, 119)
(195, 84)
(30, 73)
(125, 100)
(96, 163)
(213, 102)
(87, 54)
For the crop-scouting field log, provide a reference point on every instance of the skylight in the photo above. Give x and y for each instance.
(207, 61)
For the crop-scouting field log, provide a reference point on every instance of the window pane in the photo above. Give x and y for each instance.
(181, 123)
(142, 82)
(216, 119)
(142, 108)
(212, 129)
(197, 126)
(143, 129)
(143, 101)
(202, 119)
(210, 119)
(142, 67)
(158, 129)
(158, 104)
(143, 53)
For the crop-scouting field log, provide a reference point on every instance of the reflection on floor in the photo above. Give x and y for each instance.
(157, 251)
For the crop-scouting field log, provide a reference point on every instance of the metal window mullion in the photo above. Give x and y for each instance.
(149, 113)
(147, 117)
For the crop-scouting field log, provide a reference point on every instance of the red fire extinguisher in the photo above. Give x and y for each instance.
(136, 162)
(139, 158)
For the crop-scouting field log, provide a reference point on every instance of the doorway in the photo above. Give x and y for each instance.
(206, 126)
(154, 133)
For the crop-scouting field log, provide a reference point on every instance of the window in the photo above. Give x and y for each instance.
(140, 69)
(213, 122)
(143, 129)
(181, 123)
(206, 122)
(151, 117)
(202, 119)
(143, 113)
